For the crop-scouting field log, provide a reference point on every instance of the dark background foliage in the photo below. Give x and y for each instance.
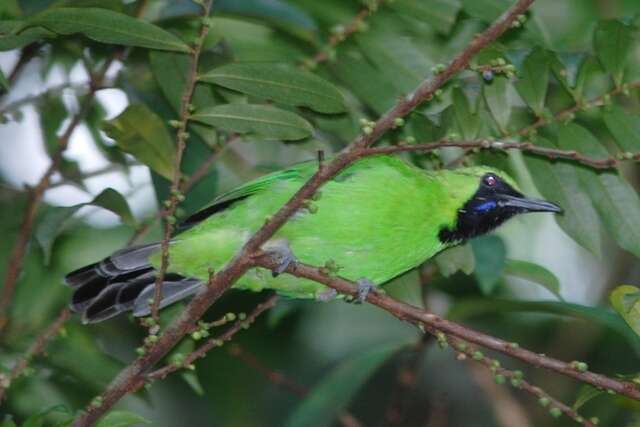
(566, 76)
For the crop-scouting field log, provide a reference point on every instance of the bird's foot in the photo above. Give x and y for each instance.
(365, 286)
(326, 295)
(281, 254)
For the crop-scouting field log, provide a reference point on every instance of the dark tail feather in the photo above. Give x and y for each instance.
(122, 282)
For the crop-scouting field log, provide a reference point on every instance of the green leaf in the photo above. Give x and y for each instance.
(613, 41)
(4, 82)
(106, 26)
(496, 97)
(585, 394)
(559, 183)
(113, 201)
(534, 79)
(9, 40)
(441, 14)
(624, 127)
(58, 219)
(534, 273)
(466, 120)
(141, 133)
(625, 300)
(616, 201)
(266, 121)
(458, 258)
(490, 253)
(8, 422)
(471, 307)
(280, 84)
(121, 419)
(338, 388)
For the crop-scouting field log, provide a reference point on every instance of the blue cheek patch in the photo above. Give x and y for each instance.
(486, 206)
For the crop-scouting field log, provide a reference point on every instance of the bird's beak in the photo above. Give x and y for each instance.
(524, 204)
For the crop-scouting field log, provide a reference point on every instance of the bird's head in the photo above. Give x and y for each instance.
(484, 198)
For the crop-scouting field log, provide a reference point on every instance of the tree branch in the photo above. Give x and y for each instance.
(36, 348)
(130, 376)
(419, 317)
(182, 136)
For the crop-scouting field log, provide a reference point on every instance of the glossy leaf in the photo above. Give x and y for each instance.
(585, 394)
(478, 306)
(338, 388)
(534, 273)
(559, 183)
(281, 84)
(624, 127)
(4, 82)
(106, 26)
(625, 300)
(121, 419)
(266, 121)
(141, 133)
(58, 219)
(467, 121)
(490, 254)
(441, 14)
(534, 79)
(9, 40)
(612, 42)
(616, 201)
(496, 97)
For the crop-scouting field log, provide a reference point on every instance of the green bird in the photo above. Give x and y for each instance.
(377, 219)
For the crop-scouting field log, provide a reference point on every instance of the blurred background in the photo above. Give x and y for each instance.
(555, 301)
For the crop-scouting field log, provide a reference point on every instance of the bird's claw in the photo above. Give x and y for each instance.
(365, 286)
(281, 254)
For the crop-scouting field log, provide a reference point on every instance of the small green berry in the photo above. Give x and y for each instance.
(477, 355)
(368, 130)
(398, 122)
(555, 412)
(544, 401)
(230, 317)
(242, 316)
(196, 335)
(499, 379)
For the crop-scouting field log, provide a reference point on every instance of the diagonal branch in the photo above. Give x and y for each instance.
(423, 318)
(129, 377)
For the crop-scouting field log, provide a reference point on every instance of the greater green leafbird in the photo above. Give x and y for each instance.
(377, 219)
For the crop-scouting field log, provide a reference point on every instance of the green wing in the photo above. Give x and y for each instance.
(222, 202)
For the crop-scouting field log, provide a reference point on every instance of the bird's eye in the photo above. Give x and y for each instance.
(490, 180)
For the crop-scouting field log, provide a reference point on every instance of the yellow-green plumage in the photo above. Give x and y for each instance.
(377, 219)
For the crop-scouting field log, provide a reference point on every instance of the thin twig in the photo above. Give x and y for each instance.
(130, 376)
(341, 34)
(36, 348)
(217, 341)
(466, 352)
(182, 136)
(419, 317)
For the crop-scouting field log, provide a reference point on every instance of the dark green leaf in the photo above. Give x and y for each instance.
(467, 120)
(281, 84)
(193, 382)
(490, 253)
(113, 201)
(625, 300)
(106, 26)
(337, 389)
(458, 258)
(559, 182)
(585, 394)
(624, 127)
(478, 306)
(121, 419)
(441, 14)
(141, 133)
(58, 219)
(615, 199)
(9, 40)
(534, 79)
(266, 121)
(534, 273)
(612, 43)
(4, 82)
(496, 96)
